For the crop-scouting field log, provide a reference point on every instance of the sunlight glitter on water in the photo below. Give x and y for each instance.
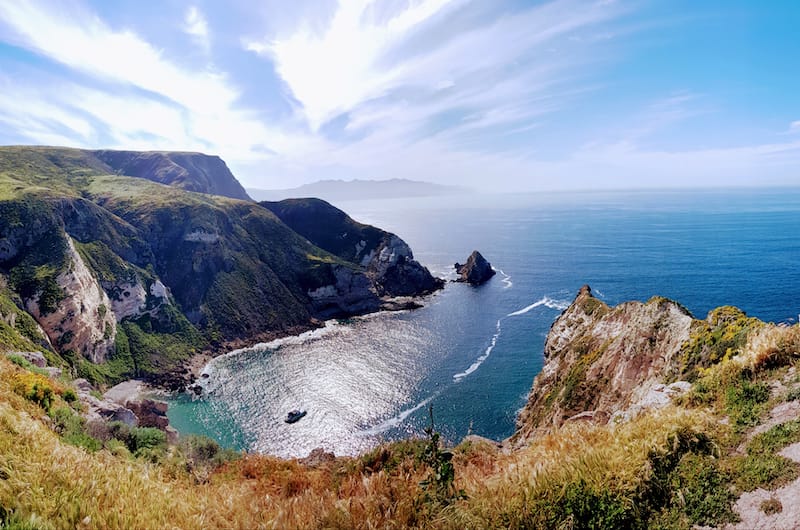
(344, 380)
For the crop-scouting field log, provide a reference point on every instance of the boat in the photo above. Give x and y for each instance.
(294, 416)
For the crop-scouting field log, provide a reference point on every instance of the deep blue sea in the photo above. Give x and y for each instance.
(473, 352)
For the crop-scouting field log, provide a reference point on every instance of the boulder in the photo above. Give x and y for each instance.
(102, 409)
(476, 270)
(151, 413)
(34, 357)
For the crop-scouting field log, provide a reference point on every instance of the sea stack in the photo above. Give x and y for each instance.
(475, 271)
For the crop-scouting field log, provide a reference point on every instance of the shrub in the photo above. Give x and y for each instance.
(700, 491)
(72, 429)
(34, 387)
(771, 506)
(744, 402)
(440, 484)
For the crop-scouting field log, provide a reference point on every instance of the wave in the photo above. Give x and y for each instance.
(545, 301)
(507, 283)
(395, 421)
(479, 361)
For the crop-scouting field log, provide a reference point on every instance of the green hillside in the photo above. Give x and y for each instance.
(210, 272)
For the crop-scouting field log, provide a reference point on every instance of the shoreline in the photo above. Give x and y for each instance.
(193, 368)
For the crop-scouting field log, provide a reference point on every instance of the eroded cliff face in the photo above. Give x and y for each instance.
(82, 320)
(603, 362)
(388, 267)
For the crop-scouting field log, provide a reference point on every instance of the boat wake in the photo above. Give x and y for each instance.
(545, 301)
(397, 420)
(506, 279)
(479, 361)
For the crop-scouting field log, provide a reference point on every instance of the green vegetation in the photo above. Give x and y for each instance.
(234, 270)
(699, 494)
(721, 336)
(439, 485)
(762, 467)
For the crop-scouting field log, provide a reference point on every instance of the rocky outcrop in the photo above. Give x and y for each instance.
(34, 357)
(350, 292)
(603, 362)
(188, 171)
(385, 259)
(476, 270)
(148, 412)
(102, 410)
(395, 272)
(81, 320)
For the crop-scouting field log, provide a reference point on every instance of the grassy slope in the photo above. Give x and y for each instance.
(312, 218)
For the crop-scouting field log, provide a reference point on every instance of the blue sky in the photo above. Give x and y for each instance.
(493, 94)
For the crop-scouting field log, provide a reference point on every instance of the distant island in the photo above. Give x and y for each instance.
(356, 190)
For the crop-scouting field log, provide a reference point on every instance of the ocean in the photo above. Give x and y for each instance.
(472, 352)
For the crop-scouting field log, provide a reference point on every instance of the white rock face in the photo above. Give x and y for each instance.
(653, 396)
(159, 290)
(352, 293)
(200, 236)
(388, 255)
(132, 300)
(83, 320)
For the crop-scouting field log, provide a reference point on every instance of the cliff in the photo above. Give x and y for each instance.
(388, 260)
(600, 361)
(129, 277)
(188, 171)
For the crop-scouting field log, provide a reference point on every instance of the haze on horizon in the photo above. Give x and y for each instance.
(496, 95)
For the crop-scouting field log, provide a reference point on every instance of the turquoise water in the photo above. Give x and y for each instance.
(473, 352)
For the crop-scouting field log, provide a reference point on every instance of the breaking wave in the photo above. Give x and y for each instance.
(545, 301)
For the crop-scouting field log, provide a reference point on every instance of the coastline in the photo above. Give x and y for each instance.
(192, 369)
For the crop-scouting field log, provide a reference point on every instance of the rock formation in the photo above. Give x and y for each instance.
(80, 320)
(602, 361)
(476, 270)
(386, 265)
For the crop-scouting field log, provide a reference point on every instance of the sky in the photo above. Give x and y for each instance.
(497, 95)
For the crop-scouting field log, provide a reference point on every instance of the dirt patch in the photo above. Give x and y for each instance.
(750, 505)
(780, 414)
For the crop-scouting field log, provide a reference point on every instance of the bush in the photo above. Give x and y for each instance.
(145, 442)
(72, 429)
(202, 451)
(34, 387)
(744, 402)
(700, 492)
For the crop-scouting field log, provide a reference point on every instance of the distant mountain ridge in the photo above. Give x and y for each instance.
(351, 190)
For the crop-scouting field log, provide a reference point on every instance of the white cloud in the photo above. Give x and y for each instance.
(196, 25)
(794, 126)
(177, 107)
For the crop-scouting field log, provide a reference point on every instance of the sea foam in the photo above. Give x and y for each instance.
(545, 301)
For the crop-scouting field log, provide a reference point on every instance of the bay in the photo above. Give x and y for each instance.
(472, 353)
